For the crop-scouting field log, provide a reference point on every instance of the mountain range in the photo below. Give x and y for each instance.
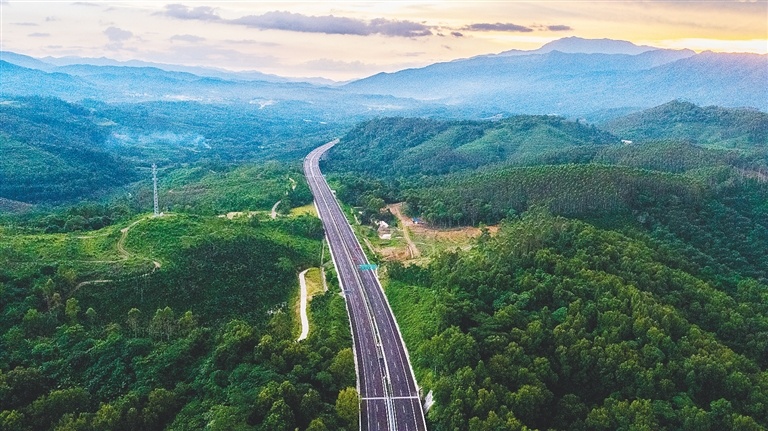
(595, 79)
(579, 84)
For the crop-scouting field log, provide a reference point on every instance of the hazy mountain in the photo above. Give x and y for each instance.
(679, 120)
(579, 84)
(120, 84)
(22, 81)
(578, 45)
(250, 75)
(25, 61)
(608, 79)
(594, 46)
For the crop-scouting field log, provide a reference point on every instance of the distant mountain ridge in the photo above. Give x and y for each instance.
(578, 45)
(59, 64)
(577, 84)
(592, 79)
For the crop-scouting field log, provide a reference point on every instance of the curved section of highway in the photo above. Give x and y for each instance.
(389, 397)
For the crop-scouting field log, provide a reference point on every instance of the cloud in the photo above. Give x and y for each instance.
(329, 24)
(84, 3)
(288, 21)
(26, 24)
(499, 26)
(117, 35)
(187, 38)
(399, 28)
(51, 19)
(39, 35)
(202, 13)
(457, 34)
(559, 28)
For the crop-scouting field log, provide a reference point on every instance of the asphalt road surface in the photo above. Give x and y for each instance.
(389, 397)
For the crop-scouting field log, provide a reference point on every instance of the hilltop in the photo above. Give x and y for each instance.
(711, 125)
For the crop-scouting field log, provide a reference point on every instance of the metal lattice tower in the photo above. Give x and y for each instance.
(154, 183)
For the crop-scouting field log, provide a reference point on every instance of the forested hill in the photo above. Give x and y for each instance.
(53, 151)
(554, 324)
(711, 125)
(407, 146)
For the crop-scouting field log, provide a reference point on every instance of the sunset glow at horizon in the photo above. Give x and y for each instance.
(347, 40)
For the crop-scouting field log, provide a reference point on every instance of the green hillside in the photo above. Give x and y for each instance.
(671, 156)
(557, 324)
(397, 147)
(219, 189)
(614, 296)
(577, 190)
(54, 151)
(184, 321)
(712, 125)
(59, 153)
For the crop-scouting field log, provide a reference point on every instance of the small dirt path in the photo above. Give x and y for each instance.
(303, 306)
(124, 255)
(274, 210)
(85, 283)
(121, 242)
(405, 222)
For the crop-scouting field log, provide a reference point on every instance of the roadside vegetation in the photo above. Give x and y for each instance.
(179, 322)
(624, 288)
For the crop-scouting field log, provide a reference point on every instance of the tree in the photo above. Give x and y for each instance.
(160, 408)
(90, 313)
(348, 407)
(311, 404)
(162, 323)
(342, 368)
(133, 320)
(106, 418)
(317, 425)
(279, 418)
(71, 309)
(50, 408)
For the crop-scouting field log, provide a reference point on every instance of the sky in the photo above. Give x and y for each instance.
(351, 39)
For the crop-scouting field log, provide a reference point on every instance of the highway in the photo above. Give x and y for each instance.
(389, 397)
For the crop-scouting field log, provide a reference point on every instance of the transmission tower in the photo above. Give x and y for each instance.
(154, 183)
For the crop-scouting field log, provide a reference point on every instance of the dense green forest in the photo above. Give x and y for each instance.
(118, 321)
(626, 288)
(722, 215)
(558, 324)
